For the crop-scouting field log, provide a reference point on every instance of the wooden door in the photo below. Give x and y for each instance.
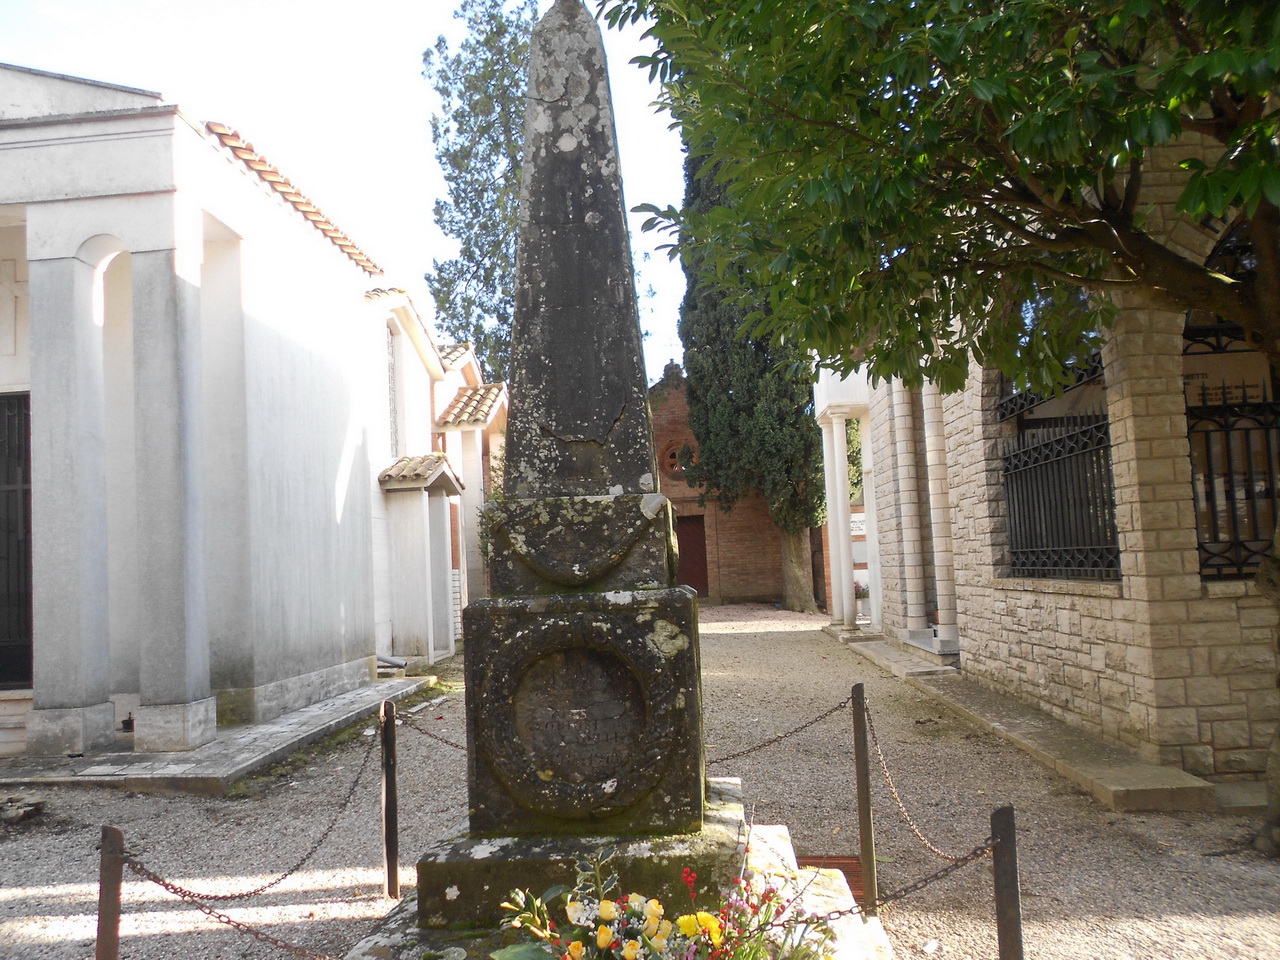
(691, 537)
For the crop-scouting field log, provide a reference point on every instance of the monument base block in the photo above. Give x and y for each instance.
(584, 714)
(465, 879)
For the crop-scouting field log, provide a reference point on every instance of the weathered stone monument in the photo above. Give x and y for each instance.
(583, 684)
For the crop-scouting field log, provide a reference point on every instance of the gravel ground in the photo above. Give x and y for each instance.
(1095, 884)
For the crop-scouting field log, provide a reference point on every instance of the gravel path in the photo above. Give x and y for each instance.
(1096, 884)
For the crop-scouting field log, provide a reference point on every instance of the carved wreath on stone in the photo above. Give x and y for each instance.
(532, 771)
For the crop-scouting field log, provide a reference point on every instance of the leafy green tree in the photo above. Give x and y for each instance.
(479, 138)
(905, 176)
(751, 411)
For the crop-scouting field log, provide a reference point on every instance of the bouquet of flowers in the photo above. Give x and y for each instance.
(756, 921)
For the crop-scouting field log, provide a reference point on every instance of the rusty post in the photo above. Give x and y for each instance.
(110, 875)
(390, 813)
(862, 778)
(1004, 862)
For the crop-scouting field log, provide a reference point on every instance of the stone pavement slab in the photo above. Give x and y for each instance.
(210, 769)
(1114, 776)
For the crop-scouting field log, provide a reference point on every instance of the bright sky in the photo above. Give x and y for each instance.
(332, 93)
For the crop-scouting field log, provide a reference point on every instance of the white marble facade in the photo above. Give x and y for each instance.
(212, 398)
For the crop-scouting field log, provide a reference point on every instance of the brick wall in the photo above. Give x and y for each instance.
(744, 550)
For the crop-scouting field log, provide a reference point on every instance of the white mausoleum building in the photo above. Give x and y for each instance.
(244, 474)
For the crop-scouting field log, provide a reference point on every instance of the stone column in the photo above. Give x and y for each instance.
(73, 711)
(869, 512)
(848, 602)
(835, 599)
(908, 496)
(935, 445)
(177, 711)
(440, 559)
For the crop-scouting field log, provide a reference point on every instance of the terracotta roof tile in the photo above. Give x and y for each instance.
(244, 151)
(473, 405)
(451, 353)
(419, 472)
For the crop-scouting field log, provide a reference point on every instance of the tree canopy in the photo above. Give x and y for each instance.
(915, 183)
(750, 402)
(479, 139)
(751, 411)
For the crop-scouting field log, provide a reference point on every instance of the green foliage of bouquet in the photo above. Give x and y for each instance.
(756, 921)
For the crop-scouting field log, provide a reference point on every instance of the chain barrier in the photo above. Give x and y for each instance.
(977, 853)
(411, 722)
(902, 808)
(773, 741)
(194, 900)
(194, 896)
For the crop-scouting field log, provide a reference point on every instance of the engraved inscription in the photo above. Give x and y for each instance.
(579, 715)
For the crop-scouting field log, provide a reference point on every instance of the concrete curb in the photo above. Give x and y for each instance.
(1114, 776)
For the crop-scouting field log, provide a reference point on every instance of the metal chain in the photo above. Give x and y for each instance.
(772, 741)
(902, 809)
(412, 723)
(190, 898)
(977, 853)
(193, 895)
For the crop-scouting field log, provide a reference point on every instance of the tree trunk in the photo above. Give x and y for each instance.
(797, 572)
(1268, 838)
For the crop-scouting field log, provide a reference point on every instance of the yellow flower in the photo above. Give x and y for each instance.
(608, 910)
(604, 937)
(688, 924)
(653, 909)
(650, 928)
(576, 912)
(636, 902)
(659, 944)
(575, 950)
(711, 924)
(631, 950)
(664, 929)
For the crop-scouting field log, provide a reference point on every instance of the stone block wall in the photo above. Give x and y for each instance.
(1182, 671)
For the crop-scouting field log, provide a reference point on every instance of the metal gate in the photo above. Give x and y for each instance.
(15, 540)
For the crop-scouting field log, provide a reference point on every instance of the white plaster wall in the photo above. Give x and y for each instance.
(310, 412)
(227, 584)
(409, 526)
(15, 335)
(121, 476)
(34, 93)
(124, 158)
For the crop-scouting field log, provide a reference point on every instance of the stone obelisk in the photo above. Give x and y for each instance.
(583, 687)
(582, 670)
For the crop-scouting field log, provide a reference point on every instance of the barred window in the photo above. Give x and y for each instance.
(1061, 499)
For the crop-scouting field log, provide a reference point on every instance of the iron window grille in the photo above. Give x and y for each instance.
(1235, 460)
(1061, 500)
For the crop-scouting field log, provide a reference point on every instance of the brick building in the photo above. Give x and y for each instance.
(730, 556)
(1092, 555)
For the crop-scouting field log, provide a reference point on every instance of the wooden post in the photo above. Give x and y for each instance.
(862, 777)
(1004, 858)
(390, 814)
(110, 874)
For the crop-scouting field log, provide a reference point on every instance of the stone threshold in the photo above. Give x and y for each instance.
(1112, 775)
(210, 769)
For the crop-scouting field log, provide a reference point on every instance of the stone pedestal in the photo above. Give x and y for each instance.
(584, 714)
(169, 727)
(53, 731)
(465, 879)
